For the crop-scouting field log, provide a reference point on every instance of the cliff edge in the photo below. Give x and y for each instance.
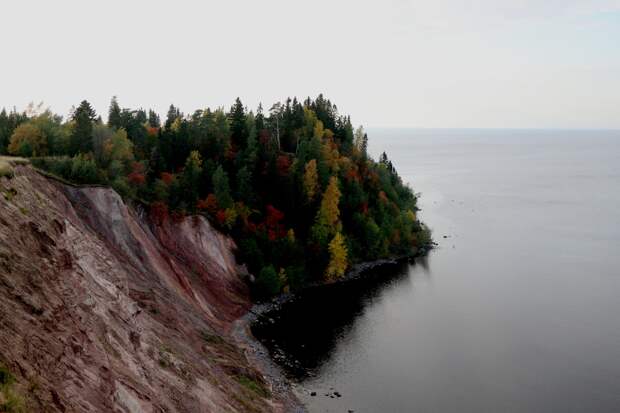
(104, 310)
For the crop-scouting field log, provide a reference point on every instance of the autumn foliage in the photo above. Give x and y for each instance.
(294, 185)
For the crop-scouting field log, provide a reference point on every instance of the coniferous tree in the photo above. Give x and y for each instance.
(192, 173)
(81, 137)
(221, 188)
(114, 114)
(238, 125)
(4, 131)
(153, 119)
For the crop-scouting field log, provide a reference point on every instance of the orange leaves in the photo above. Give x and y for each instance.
(152, 131)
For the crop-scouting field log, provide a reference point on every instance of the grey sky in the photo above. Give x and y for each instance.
(425, 63)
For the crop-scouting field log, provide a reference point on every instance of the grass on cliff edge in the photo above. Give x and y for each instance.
(10, 402)
(8, 162)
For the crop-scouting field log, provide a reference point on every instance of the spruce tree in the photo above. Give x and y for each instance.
(238, 125)
(81, 140)
(114, 114)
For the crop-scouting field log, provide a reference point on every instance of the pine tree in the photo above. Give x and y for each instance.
(4, 131)
(192, 173)
(221, 188)
(81, 140)
(114, 114)
(238, 125)
(172, 115)
(245, 191)
(153, 119)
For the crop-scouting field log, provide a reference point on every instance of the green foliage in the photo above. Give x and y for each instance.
(268, 282)
(81, 137)
(192, 172)
(221, 188)
(254, 386)
(28, 140)
(10, 401)
(295, 187)
(84, 170)
(6, 169)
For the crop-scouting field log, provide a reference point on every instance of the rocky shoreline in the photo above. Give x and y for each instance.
(259, 355)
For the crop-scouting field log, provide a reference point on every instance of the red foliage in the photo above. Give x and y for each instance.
(221, 216)
(167, 177)
(159, 212)
(152, 130)
(283, 163)
(136, 176)
(272, 223)
(274, 216)
(352, 175)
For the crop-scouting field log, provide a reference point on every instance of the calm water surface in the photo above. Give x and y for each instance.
(518, 310)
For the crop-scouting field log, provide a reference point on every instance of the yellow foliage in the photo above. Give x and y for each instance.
(311, 179)
(28, 140)
(282, 276)
(291, 235)
(411, 215)
(231, 217)
(318, 129)
(330, 153)
(118, 147)
(338, 262)
(329, 213)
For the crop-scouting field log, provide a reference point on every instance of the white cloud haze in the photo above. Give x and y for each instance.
(441, 63)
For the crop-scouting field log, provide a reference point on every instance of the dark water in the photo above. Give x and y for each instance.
(518, 310)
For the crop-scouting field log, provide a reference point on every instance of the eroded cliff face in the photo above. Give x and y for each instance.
(102, 310)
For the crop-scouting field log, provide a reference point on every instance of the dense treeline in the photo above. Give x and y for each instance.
(295, 187)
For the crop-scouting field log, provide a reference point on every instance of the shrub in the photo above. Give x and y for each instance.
(5, 169)
(268, 282)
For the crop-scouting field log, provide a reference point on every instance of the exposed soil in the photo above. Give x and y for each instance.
(102, 310)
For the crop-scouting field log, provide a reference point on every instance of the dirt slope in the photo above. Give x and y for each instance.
(102, 310)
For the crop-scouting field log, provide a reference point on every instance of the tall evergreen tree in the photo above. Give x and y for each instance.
(4, 131)
(114, 114)
(81, 137)
(238, 125)
(221, 188)
(153, 119)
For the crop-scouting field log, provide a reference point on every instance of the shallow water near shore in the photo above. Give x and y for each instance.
(517, 310)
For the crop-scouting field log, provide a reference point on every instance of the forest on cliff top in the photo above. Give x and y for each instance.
(295, 187)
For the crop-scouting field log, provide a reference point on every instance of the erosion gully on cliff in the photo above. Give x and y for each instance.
(102, 310)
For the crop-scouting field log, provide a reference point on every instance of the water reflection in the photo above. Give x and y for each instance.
(304, 334)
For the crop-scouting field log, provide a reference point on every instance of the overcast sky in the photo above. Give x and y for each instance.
(392, 63)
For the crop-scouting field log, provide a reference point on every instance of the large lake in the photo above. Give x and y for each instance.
(517, 310)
